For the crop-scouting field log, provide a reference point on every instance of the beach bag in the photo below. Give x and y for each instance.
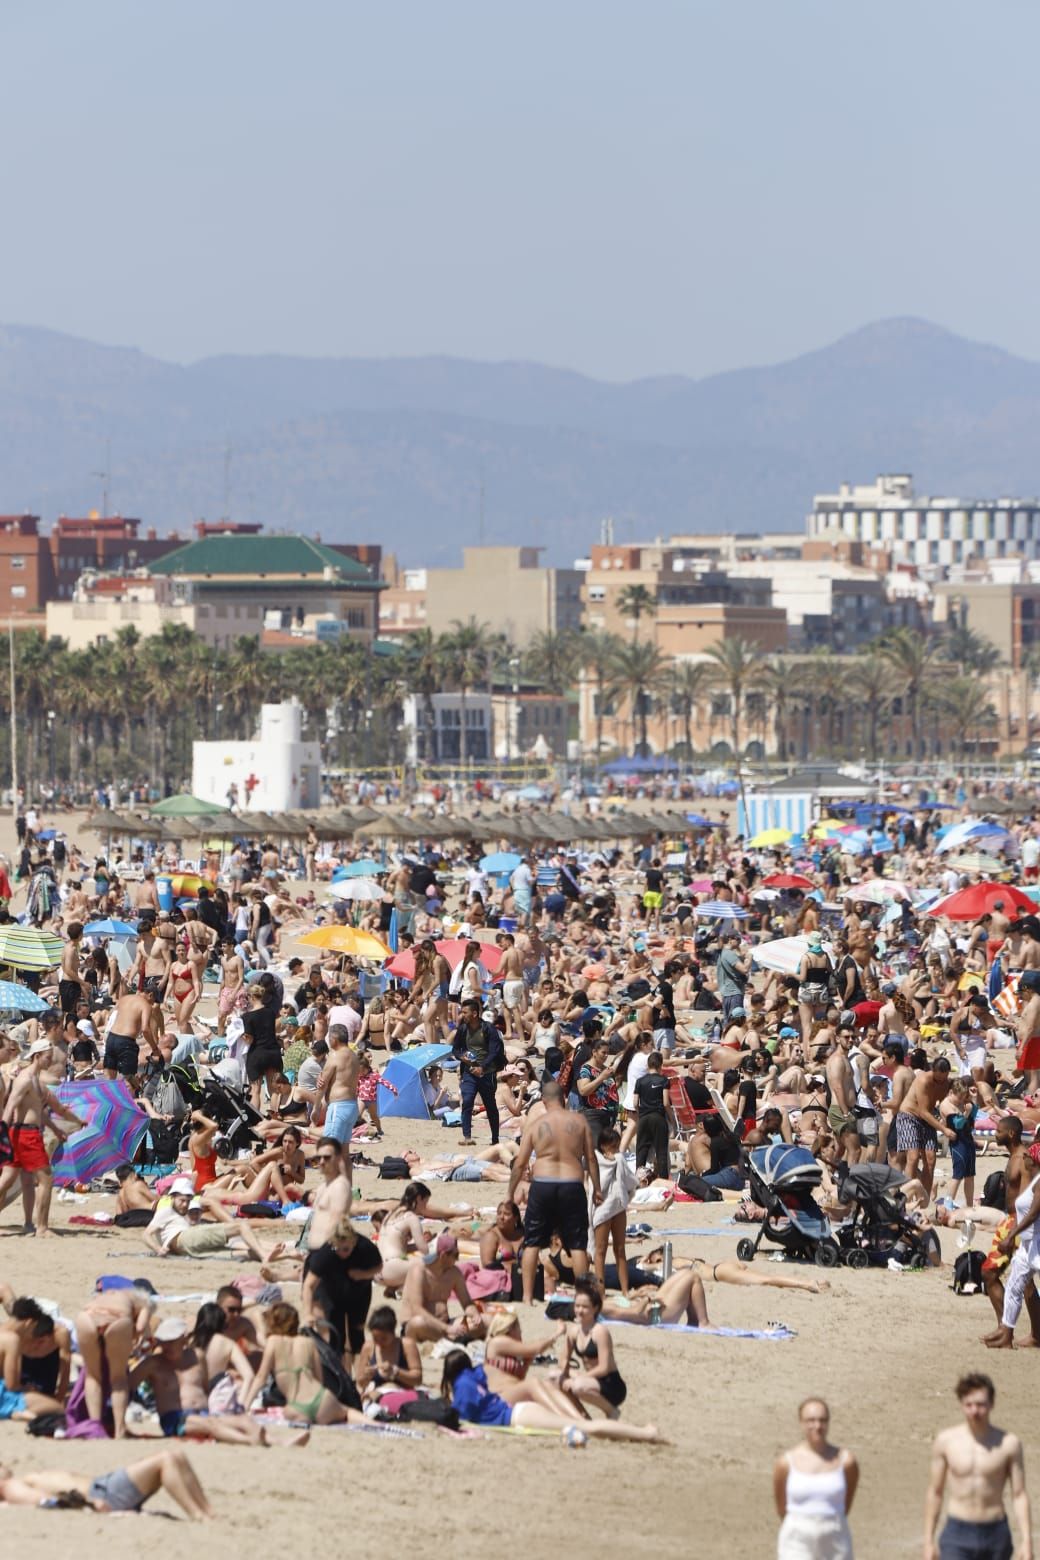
(696, 1186)
(967, 1273)
(430, 1411)
(167, 1098)
(994, 1193)
(395, 1169)
(333, 1372)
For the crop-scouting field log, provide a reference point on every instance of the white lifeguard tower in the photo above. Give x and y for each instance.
(275, 772)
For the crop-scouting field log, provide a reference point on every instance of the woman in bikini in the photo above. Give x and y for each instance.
(389, 1363)
(295, 1364)
(373, 1025)
(587, 1340)
(402, 1235)
(228, 1366)
(508, 1360)
(107, 1330)
(184, 992)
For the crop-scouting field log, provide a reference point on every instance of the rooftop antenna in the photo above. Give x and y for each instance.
(227, 480)
(103, 478)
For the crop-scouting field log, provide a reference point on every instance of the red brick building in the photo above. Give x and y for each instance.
(36, 568)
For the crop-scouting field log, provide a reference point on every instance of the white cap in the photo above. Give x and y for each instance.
(184, 1186)
(38, 1047)
(170, 1330)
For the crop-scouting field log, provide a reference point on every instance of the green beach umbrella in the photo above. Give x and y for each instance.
(185, 807)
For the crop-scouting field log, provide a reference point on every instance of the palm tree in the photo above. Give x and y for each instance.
(913, 658)
(874, 685)
(966, 708)
(597, 653)
(424, 658)
(690, 685)
(971, 651)
(634, 602)
(551, 661)
(738, 666)
(640, 671)
(778, 680)
(467, 651)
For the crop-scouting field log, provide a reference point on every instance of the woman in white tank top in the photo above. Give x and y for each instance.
(814, 1485)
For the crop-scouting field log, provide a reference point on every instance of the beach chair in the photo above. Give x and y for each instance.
(723, 1110)
(684, 1117)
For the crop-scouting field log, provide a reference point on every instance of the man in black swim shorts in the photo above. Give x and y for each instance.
(560, 1146)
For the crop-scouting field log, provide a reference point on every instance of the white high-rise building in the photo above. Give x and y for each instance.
(932, 533)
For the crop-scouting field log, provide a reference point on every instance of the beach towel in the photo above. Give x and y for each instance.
(768, 1335)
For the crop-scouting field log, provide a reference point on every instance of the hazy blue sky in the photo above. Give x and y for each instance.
(621, 188)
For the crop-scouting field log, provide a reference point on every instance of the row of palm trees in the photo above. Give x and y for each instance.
(133, 705)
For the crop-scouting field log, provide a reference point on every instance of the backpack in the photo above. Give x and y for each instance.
(430, 1411)
(395, 1169)
(994, 1193)
(695, 1186)
(967, 1273)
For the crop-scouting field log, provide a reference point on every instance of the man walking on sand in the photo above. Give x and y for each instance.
(561, 1142)
(973, 1462)
(338, 1087)
(28, 1105)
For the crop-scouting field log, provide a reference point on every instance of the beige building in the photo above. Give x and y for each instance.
(1006, 612)
(507, 588)
(402, 605)
(102, 604)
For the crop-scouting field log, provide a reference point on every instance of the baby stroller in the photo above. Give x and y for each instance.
(878, 1229)
(782, 1179)
(222, 1103)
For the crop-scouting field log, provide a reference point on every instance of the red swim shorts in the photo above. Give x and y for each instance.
(29, 1152)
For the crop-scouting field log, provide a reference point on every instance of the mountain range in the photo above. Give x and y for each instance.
(425, 454)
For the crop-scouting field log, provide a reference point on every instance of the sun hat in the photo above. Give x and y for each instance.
(183, 1186)
(38, 1047)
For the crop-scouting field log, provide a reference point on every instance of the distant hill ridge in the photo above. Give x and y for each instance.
(412, 451)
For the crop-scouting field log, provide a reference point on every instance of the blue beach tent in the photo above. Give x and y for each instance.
(404, 1073)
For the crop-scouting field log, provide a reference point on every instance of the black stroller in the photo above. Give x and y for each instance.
(221, 1102)
(878, 1229)
(783, 1178)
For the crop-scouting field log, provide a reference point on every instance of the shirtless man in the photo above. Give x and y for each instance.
(1027, 1027)
(144, 896)
(917, 1124)
(840, 1077)
(136, 1018)
(231, 996)
(28, 1105)
(337, 1089)
(973, 1462)
(556, 1202)
(428, 1287)
(514, 992)
(332, 1200)
(70, 988)
(134, 1193)
(176, 1373)
(152, 961)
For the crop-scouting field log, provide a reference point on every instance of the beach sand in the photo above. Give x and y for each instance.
(884, 1349)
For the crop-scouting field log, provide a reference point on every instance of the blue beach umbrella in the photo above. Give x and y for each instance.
(16, 998)
(109, 928)
(366, 868)
(500, 861)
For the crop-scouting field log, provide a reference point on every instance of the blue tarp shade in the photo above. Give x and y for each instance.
(404, 1072)
(639, 765)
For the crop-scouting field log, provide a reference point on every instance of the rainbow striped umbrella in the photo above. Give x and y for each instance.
(115, 1125)
(26, 948)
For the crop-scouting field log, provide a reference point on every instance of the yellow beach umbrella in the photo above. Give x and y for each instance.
(352, 940)
(771, 837)
(826, 826)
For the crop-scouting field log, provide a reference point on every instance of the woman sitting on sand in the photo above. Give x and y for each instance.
(466, 1386)
(296, 1366)
(390, 1363)
(597, 1380)
(402, 1237)
(508, 1360)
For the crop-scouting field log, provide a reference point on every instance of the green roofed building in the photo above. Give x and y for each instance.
(280, 588)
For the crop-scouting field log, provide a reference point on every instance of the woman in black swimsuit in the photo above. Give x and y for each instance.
(599, 1381)
(389, 1361)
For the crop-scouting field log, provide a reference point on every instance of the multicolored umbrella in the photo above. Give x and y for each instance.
(115, 1125)
(16, 998)
(721, 909)
(25, 948)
